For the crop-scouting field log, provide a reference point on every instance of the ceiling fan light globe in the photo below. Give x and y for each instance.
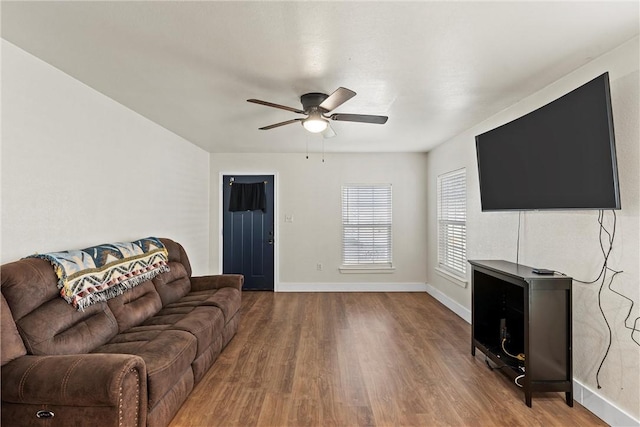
(315, 125)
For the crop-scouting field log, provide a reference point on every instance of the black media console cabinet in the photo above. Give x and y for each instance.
(518, 312)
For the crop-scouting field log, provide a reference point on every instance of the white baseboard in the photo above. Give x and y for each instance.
(601, 407)
(350, 287)
(452, 305)
(592, 401)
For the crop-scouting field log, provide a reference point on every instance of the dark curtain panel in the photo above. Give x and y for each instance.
(247, 197)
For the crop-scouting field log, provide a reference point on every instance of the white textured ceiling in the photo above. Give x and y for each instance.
(435, 68)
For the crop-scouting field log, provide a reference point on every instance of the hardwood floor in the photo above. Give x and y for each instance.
(360, 359)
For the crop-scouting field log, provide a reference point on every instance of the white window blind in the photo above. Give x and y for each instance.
(366, 225)
(452, 222)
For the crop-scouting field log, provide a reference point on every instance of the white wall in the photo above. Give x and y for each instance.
(79, 169)
(310, 191)
(566, 241)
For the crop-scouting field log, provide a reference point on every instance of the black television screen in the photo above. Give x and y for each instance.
(560, 156)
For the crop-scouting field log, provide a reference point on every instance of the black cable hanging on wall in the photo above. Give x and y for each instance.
(602, 277)
(518, 240)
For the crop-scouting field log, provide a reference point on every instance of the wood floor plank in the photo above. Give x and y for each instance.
(360, 359)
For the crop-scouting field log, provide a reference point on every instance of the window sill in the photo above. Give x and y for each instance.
(462, 282)
(361, 269)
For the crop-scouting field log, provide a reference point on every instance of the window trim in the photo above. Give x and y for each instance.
(452, 277)
(356, 269)
(385, 266)
(443, 269)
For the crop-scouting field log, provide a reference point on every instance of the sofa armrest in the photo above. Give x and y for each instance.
(79, 380)
(204, 283)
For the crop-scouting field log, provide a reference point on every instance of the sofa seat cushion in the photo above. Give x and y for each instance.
(205, 323)
(167, 355)
(226, 299)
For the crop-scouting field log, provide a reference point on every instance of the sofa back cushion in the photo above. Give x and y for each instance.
(173, 284)
(135, 305)
(45, 321)
(12, 346)
(177, 254)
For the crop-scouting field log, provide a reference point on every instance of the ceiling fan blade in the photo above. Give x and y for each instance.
(271, 104)
(288, 122)
(328, 132)
(337, 98)
(361, 118)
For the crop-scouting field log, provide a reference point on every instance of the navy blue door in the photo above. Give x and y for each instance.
(248, 236)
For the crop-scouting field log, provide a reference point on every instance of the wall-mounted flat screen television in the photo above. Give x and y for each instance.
(560, 156)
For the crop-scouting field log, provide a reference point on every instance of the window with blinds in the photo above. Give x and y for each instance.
(366, 225)
(452, 223)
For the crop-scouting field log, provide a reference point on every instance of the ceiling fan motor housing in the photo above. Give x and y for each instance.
(312, 100)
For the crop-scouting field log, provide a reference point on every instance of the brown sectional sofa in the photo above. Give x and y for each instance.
(130, 361)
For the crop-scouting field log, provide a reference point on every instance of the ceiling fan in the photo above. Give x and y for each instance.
(316, 106)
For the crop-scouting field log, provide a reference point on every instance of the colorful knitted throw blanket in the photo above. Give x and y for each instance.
(102, 272)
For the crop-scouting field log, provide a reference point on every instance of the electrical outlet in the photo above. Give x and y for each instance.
(319, 266)
(288, 218)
